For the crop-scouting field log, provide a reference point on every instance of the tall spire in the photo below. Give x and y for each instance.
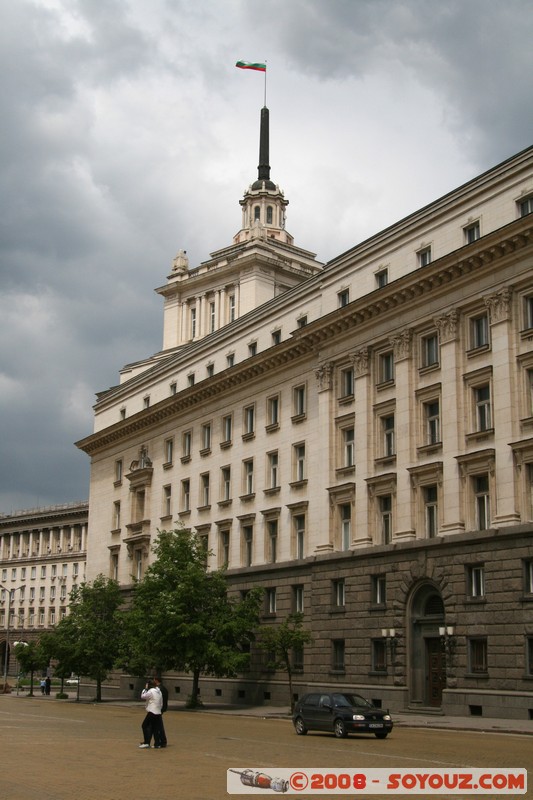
(263, 170)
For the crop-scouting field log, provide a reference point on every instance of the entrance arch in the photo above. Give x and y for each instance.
(427, 656)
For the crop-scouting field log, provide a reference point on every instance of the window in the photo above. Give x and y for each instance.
(348, 446)
(276, 337)
(298, 599)
(186, 445)
(479, 331)
(424, 257)
(169, 451)
(481, 501)
(231, 302)
(43, 573)
(230, 359)
(379, 655)
(249, 421)
(186, 495)
(385, 512)
(526, 206)
(167, 501)
(190, 379)
(345, 513)
(210, 370)
(272, 534)
(271, 600)
(269, 215)
(273, 410)
(252, 349)
(225, 476)
(339, 598)
(387, 429)
(302, 321)
(477, 655)
(146, 402)
(430, 494)
(386, 367)
(299, 462)
(483, 407)
(476, 581)
(204, 489)
(206, 437)
(430, 355)
(472, 232)
(382, 278)
(227, 428)
(193, 323)
(347, 382)
(118, 471)
(299, 535)
(211, 317)
(338, 648)
(173, 388)
(224, 542)
(247, 545)
(273, 469)
(343, 298)
(116, 515)
(378, 589)
(432, 422)
(299, 401)
(528, 577)
(528, 312)
(248, 467)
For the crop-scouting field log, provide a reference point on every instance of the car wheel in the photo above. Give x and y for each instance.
(340, 729)
(381, 735)
(299, 726)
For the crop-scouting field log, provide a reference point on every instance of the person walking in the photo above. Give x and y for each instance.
(164, 694)
(151, 724)
(47, 685)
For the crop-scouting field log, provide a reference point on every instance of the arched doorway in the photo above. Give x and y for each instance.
(427, 656)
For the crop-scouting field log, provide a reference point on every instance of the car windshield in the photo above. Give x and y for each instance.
(350, 700)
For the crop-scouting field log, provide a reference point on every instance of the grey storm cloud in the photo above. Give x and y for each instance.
(127, 134)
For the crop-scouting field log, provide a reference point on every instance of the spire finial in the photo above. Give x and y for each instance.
(263, 170)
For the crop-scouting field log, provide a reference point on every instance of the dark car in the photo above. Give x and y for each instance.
(341, 713)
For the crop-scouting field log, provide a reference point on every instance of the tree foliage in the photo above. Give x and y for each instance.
(87, 641)
(280, 640)
(182, 618)
(31, 656)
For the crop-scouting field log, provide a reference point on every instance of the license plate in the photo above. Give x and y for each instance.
(376, 725)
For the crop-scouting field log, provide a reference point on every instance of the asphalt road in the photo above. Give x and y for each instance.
(57, 750)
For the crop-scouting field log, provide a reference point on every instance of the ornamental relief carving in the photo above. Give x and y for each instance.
(499, 305)
(401, 343)
(361, 362)
(447, 326)
(324, 374)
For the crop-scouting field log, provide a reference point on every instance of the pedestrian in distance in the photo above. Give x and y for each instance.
(151, 724)
(164, 693)
(43, 686)
(47, 685)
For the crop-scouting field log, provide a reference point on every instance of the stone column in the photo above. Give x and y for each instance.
(364, 456)
(320, 454)
(403, 433)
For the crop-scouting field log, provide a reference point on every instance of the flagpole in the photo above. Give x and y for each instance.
(265, 83)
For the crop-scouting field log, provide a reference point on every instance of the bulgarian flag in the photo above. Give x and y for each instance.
(251, 65)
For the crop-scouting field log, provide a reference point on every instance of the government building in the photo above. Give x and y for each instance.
(354, 437)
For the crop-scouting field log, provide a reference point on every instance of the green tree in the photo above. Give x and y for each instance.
(31, 656)
(87, 641)
(279, 641)
(182, 618)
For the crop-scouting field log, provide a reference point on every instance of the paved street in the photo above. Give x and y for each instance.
(58, 750)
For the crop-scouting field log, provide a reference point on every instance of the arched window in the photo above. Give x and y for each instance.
(269, 215)
(257, 213)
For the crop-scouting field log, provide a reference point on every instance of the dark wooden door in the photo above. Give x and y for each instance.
(436, 671)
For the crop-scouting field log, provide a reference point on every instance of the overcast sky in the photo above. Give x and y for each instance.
(128, 134)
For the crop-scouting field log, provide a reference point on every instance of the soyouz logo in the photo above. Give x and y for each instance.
(255, 780)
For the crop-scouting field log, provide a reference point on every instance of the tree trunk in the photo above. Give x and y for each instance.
(98, 690)
(194, 701)
(289, 676)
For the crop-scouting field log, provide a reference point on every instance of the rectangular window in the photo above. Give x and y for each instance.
(169, 451)
(252, 349)
(301, 322)
(528, 577)
(482, 501)
(431, 511)
(249, 420)
(345, 511)
(343, 298)
(386, 367)
(378, 589)
(526, 206)
(224, 548)
(211, 317)
(387, 427)
(379, 655)
(299, 462)
(528, 312)
(193, 323)
(299, 535)
(476, 581)
(247, 545)
(118, 471)
(206, 436)
(298, 599)
(430, 355)
(248, 467)
(338, 653)
(186, 444)
(424, 257)
(231, 303)
(382, 278)
(339, 597)
(227, 428)
(276, 337)
(385, 510)
(210, 370)
(273, 470)
(299, 401)
(273, 410)
(116, 515)
(347, 382)
(43, 572)
(432, 421)
(272, 532)
(186, 495)
(204, 489)
(190, 379)
(348, 438)
(173, 388)
(226, 483)
(271, 600)
(477, 656)
(479, 331)
(167, 501)
(230, 359)
(483, 408)
(472, 232)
